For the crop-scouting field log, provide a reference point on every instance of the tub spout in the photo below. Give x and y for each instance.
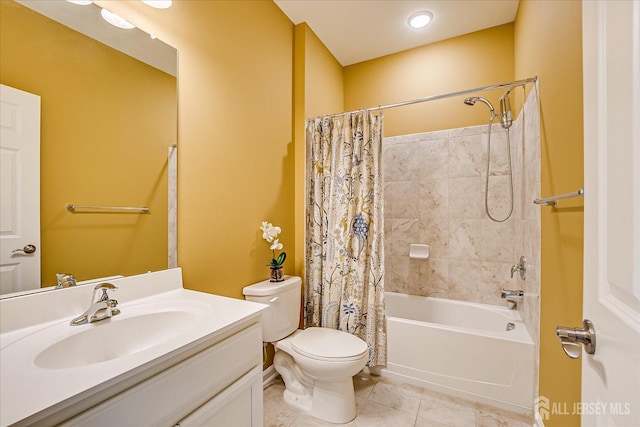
(506, 293)
(511, 297)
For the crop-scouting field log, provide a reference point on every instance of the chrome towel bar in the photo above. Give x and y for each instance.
(551, 201)
(79, 209)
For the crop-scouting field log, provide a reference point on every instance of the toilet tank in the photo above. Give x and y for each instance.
(283, 315)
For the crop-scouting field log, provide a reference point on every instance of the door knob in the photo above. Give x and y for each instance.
(28, 249)
(572, 339)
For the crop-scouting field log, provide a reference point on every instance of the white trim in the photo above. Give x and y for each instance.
(172, 214)
(269, 376)
(537, 420)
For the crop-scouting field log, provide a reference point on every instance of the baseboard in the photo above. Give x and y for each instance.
(269, 375)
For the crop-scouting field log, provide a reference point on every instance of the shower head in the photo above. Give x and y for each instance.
(506, 117)
(472, 101)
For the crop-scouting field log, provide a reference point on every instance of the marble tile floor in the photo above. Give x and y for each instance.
(382, 402)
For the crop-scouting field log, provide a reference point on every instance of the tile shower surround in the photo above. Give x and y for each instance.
(434, 194)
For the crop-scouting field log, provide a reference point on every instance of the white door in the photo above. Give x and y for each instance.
(19, 190)
(611, 59)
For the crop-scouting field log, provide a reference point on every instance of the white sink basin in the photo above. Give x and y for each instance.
(113, 338)
(137, 328)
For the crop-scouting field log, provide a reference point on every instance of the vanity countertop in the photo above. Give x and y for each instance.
(34, 384)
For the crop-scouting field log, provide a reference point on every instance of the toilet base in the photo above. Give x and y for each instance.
(332, 401)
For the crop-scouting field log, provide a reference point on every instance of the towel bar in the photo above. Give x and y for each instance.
(551, 201)
(76, 208)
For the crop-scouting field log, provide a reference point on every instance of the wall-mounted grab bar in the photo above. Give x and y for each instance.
(80, 209)
(551, 201)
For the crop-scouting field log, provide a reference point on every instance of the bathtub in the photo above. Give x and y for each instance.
(460, 348)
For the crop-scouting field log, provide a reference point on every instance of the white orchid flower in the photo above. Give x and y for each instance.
(276, 246)
(266, 231)
(269, 232)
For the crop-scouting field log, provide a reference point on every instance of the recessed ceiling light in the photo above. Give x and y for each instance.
(158, 4)
(81, 2)
(420, 19)
(116, 20)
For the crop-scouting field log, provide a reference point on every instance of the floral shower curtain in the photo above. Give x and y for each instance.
(344, 238)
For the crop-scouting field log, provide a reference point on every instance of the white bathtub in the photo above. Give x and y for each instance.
(460, 348)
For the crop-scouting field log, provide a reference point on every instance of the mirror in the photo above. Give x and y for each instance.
(108, 125)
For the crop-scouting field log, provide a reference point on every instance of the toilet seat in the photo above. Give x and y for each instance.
(328, 345)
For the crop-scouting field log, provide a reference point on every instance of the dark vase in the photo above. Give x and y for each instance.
(277, 275)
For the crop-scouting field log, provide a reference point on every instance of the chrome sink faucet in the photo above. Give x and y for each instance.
(511, 297)
(65, 280)
(102, 307)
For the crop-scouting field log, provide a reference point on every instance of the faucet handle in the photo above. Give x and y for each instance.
(514, 268)
(104, 287)
(521, 267)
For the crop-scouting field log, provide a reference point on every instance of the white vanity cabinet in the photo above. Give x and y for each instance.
(171, 357)
(219, 386)
(239, 405)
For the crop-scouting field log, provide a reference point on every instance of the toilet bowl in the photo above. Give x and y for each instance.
(316, 364)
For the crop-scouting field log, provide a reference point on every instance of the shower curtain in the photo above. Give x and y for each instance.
(344, 237)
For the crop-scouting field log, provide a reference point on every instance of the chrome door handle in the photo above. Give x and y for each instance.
(28, 249)
(572, 339)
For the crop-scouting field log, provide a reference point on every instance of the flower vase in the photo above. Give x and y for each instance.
(277, 275)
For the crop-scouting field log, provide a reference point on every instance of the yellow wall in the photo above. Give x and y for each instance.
(323, 77)
(548, 41)
(236, 153)
(319, 90)
(104, 141)
(469, 61)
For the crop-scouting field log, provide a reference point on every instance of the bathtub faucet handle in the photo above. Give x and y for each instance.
(521, 267)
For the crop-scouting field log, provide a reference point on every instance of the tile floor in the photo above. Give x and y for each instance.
(383, 402)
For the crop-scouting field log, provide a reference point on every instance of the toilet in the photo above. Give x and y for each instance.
(316, 364)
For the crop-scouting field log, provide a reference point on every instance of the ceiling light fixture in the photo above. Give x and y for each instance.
(420, 19)
(116, 20)
(158, 4)
(81, 2)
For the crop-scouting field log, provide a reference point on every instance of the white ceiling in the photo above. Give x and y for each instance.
(359, 30)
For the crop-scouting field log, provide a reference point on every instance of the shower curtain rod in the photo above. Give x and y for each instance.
(446, 95)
